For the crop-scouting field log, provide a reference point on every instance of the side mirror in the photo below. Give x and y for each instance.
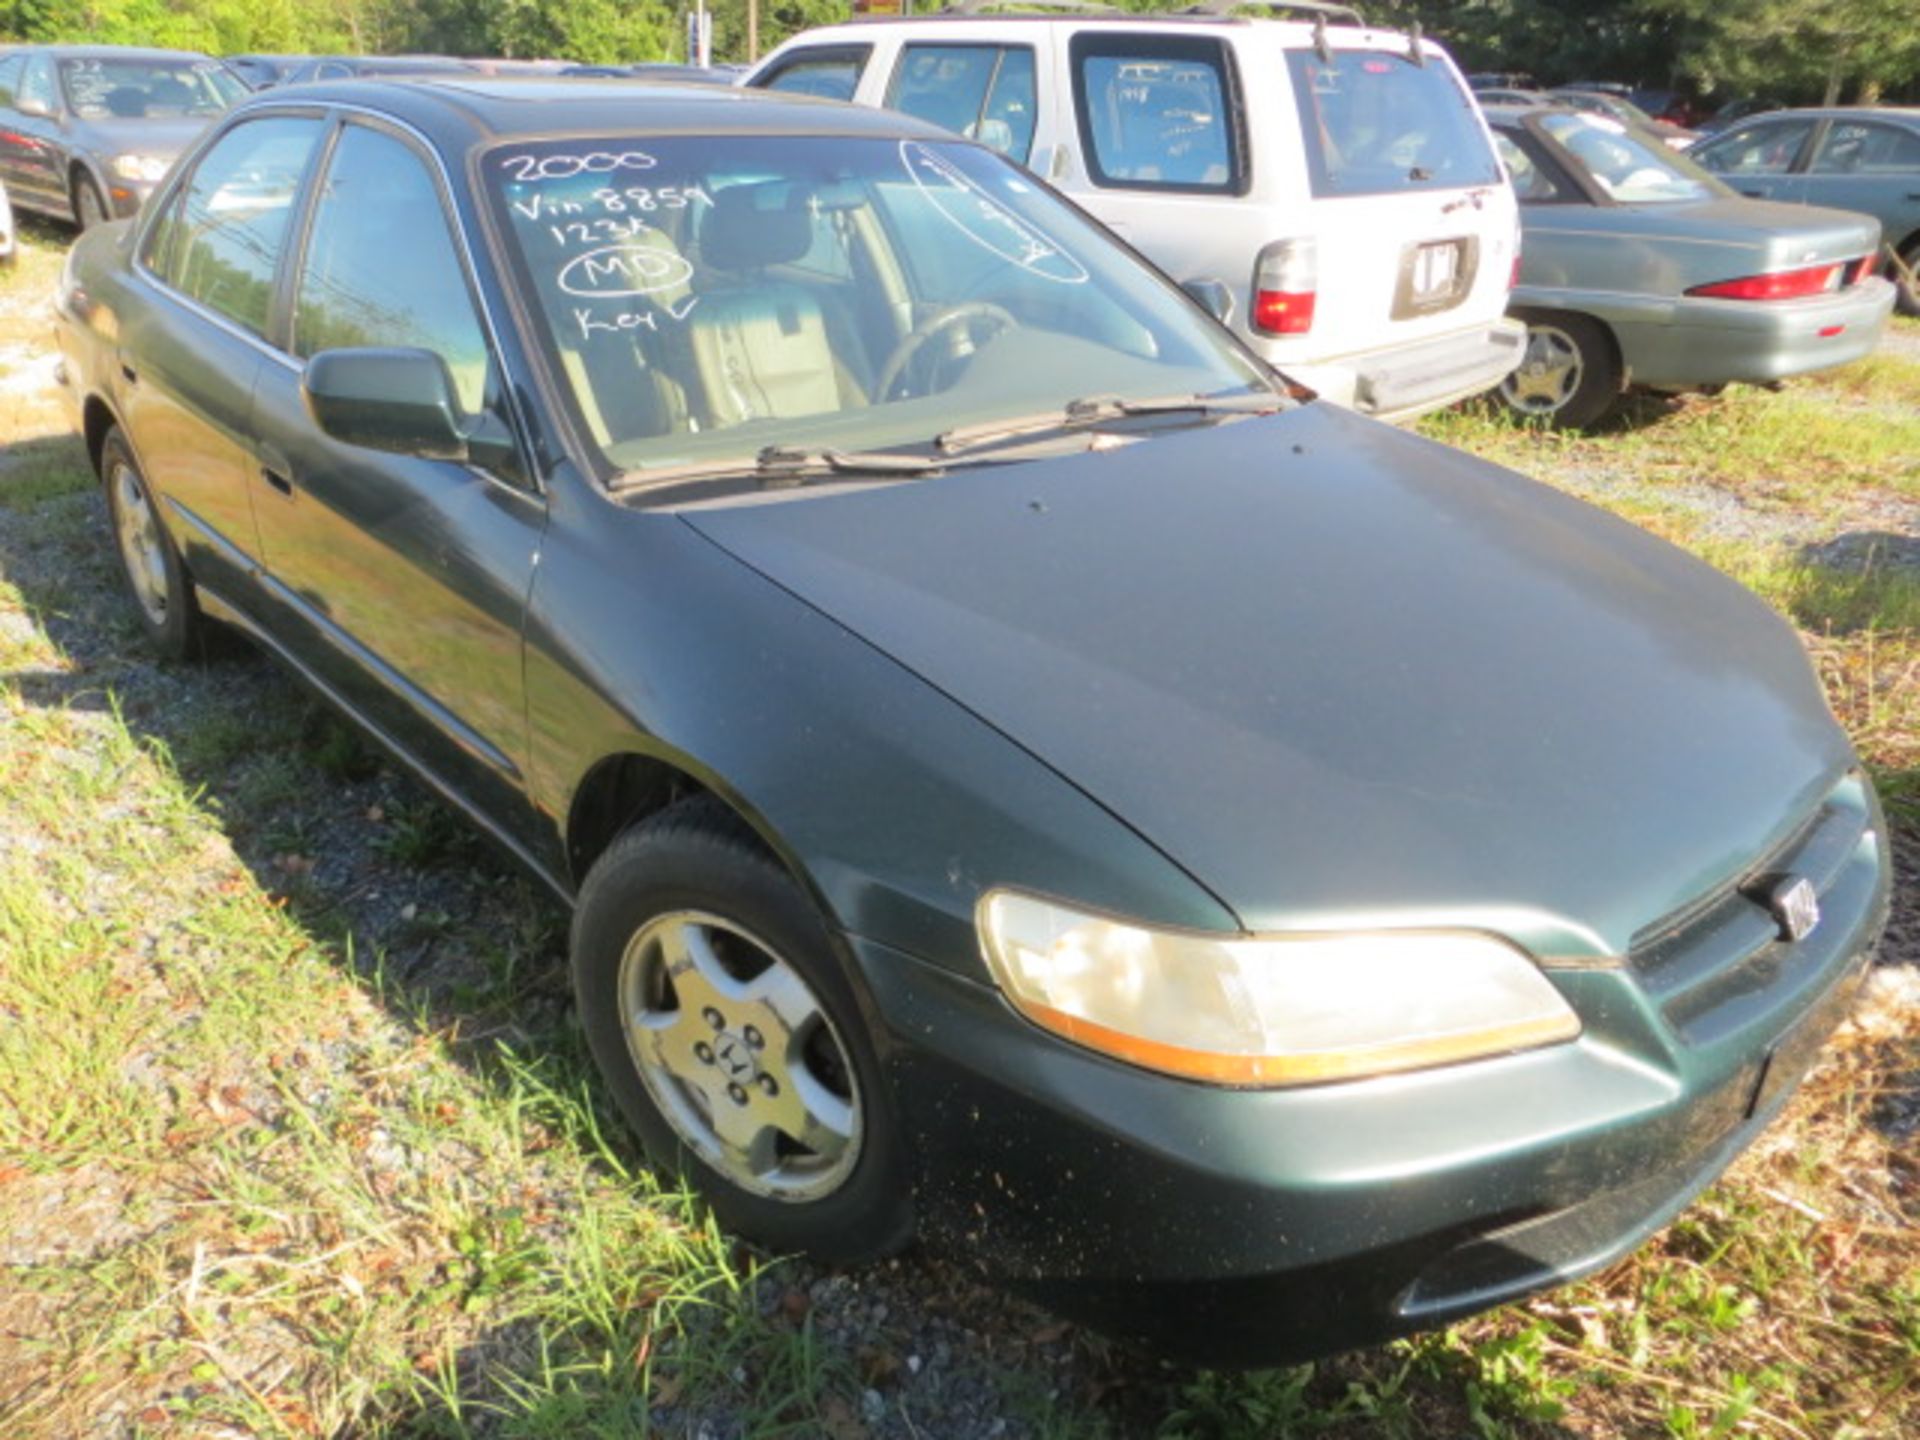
(33, 105)
(403, 401)
(1212, 296)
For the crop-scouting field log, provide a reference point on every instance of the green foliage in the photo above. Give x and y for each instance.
(1815, 48)
(1790, 50)
(588, 30)
(779, 19)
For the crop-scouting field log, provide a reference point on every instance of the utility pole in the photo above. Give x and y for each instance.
(753, 31)
(700, 35)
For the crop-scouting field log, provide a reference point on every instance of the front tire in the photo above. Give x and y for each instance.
(1570, 375)
(163, 595)
(89, 205)
(722, 1021)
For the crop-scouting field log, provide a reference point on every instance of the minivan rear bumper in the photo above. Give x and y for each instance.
(1409, 380)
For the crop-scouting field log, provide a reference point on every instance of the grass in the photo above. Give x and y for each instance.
(1806, 445)
(297, 1136)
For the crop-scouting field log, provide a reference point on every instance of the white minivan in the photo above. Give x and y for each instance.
(1336, 179)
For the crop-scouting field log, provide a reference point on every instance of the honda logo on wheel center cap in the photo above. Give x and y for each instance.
(735, 1058)
(1796, 906)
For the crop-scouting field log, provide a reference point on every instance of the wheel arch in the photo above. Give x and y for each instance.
(80, 168)
(96, 419)
(1549, 312)
(626, 787)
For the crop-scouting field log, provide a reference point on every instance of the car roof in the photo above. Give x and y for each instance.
(1906, 114)
(1512, 111)
(1909, 113)
(1091, 17)
(457, 110)
(111, 52)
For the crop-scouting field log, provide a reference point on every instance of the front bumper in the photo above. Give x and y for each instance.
(1406, 381)
(1261, 1226)
(1687, 341)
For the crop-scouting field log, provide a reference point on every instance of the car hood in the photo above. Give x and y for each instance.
(1339, 674)
(163, 138)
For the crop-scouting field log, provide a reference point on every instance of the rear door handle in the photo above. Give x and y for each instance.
(129, 374)
(282, 483)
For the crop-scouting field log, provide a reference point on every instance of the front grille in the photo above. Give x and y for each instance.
(1720, 964)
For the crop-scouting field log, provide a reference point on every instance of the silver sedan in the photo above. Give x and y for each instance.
(1639, 268)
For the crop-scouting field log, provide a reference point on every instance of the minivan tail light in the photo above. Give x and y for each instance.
(1781, 285)
(1286, 278)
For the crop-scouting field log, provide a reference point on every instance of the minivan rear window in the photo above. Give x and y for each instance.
(1376, 123)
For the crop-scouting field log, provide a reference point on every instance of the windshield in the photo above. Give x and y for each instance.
(708, 298)
(99, 89)
(1628, 165)
(1376, 123)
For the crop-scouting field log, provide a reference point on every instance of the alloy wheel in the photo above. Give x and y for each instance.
(1549, 375)
(739, 1055)
(141, 546)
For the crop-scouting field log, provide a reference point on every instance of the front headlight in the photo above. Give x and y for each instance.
(1267, 1010)
(148, 168)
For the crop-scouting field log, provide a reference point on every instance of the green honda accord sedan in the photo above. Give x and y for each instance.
(1024, 776)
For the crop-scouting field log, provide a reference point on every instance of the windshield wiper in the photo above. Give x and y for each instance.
(781, 464)
(784, 464)
(1091, 410)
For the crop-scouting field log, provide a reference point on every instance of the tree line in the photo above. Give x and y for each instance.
(603, 31)
(1788, 50)
(1792, 51)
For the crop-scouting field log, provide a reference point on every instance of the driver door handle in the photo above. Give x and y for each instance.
(275, 470)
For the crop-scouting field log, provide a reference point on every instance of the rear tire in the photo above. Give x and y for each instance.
(163, 597)
(1906, 285)
(1570, 375)
(722, 1021)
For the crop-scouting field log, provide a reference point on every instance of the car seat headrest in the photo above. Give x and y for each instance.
(754, 226)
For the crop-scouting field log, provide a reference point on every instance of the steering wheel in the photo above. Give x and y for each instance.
(915, 340)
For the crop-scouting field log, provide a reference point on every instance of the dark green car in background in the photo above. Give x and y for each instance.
(1256, 879)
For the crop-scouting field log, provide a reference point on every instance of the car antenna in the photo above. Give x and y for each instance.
(1416, 52)
(1321, 45)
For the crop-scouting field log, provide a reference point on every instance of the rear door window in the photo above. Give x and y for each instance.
(1376, 123)
(220, 242)
(985, 92)
(831, 72)
(1157, 112)
(1861, 147)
